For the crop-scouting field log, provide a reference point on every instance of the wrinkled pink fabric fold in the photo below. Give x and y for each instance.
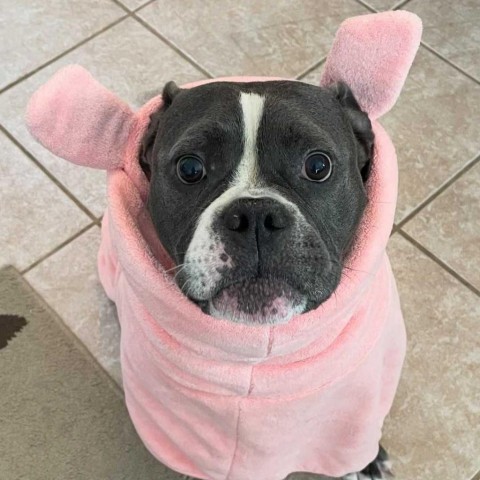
(224, 401)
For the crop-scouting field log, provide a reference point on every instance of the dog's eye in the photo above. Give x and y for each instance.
(190, 169)
(317, 167)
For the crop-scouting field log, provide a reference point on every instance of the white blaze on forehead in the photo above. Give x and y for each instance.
(203, 256)
(252, 105)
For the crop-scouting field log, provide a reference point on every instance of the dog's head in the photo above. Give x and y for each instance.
(256, 191)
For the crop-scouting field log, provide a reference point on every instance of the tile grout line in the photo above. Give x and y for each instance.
(476, 476)
(132, 10)
(310, 69)
(172, 45)
(49, 175)
(449, 62)
(58, 247)
(400, 4)
(439, 262)
(119, 4)
(63, 54)
(142, 6)
(367, 6)
(468, 166)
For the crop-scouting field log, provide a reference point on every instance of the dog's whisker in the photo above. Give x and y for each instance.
(181, 265)
(344, 266)
(184, 287)
(356, 270)
(179, 271)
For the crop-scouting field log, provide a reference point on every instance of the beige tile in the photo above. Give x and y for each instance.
(36, 215)
(127, 59)
(68, 282)
(434, 127)
(35, 31)
(433, 430)
(453, 29)
(271, 37)
(449, 227)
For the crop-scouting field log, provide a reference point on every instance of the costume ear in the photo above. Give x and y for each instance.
(78, 119)
(372, 54)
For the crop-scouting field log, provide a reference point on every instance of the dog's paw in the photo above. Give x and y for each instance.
(379, 469)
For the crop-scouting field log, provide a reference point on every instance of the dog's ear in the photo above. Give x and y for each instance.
(170, 91)
(148, 141)
(361, 125)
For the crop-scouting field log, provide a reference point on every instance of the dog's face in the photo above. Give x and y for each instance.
(256, 191)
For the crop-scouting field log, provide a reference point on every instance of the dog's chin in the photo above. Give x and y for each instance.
(257, 301)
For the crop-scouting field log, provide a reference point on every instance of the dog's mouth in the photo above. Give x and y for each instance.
(257, 301)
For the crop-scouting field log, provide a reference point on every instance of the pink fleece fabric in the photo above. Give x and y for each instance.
(218, 400)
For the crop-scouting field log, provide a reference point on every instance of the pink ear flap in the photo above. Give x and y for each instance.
(78, 119)
(372, 54)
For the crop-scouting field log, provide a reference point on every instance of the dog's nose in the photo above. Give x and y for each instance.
(261, 215)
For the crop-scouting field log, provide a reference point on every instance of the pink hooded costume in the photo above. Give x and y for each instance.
(219, 400)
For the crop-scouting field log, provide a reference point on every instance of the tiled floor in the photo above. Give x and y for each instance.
(49, 227)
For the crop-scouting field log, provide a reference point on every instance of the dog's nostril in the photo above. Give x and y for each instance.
(237, 222)
(269, 222)
(272, 222)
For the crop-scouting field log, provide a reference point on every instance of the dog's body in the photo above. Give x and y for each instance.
(255, 238)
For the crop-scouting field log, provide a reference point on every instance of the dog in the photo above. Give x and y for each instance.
(258, 193)
(267, 180)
